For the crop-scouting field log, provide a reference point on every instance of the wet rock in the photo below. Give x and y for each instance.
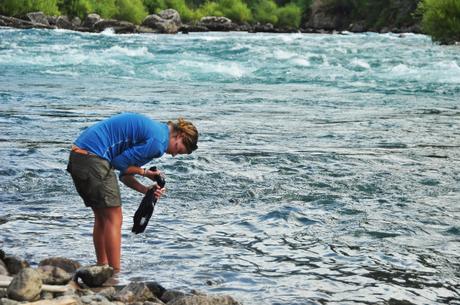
(145, 30)
(214, 23)
(119, 27)
(166, 22)
(186, 28)
(2, 254)
(156, 289)
(66, 264)
(266, 27)
(135, 292)
(170, 295)
(204, 300)
(14, 264)
(91, 20)
(38, 17)
(94, 276)
(25, 286)
(53, 275)
(3, 293)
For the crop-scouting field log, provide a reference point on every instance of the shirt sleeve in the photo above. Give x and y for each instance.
(137, 155)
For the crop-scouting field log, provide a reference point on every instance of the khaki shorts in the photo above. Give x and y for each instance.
(95, 180)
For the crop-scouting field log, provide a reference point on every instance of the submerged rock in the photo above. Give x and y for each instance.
(94, 276)
(25, 286)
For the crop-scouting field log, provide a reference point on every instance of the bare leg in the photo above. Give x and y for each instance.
(107, 236)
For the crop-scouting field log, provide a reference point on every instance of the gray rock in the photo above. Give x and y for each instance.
(2, 254)
(38, 17)
(94, 276)
(120, 27)
(63, 22)
(266, 27)
(52, 19)
(214, 23)
(3, 269)
(46, 295)
(76, 21)
(3, 293)
(204, 300)
(53, 275)
(6, 301)
(166, 22)
(156, 289)
(68, 265)
(172, 16)
(108, 292)
(14, 264)
(170, 295)
(152, 303)
(135, 292)
(25, 286)
(91, 20)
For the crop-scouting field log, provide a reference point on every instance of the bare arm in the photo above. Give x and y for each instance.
(131, 181)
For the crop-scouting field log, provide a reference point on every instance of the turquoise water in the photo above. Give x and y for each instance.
(328, 169)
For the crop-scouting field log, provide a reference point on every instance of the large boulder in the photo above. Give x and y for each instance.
(25, 286)
(204, 300)
(38, 17)
(15, 264)
(166, 22)
(214, 23)
(91, 20)
(94, 276)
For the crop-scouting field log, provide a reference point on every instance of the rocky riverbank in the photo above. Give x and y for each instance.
(61, 281)
(169, 22)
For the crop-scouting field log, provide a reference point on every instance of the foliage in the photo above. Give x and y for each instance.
(186, 14)
(22, 7)
(265, 11)
(289, 16)
(441, 20)
(236, 10)
(131, 10)
(154, 6)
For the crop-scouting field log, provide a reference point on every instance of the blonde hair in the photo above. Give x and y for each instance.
(187, 131)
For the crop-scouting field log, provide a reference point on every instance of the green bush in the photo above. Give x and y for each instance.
(22, 7)
(441, 20)
(236, 10)
(265, 11)
(289, 16)
(154, 6)
(209, 9)
(131, 10)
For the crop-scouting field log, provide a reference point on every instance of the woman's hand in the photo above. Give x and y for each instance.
(159, 192)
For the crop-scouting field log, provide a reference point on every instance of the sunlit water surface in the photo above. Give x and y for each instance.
(328, 169)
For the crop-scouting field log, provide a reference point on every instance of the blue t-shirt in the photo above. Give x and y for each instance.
(126, 139)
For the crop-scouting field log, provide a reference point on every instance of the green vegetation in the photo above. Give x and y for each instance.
(441, 19)
(281, 13)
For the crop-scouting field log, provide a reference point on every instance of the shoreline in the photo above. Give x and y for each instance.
(63, 281)
(169, 22)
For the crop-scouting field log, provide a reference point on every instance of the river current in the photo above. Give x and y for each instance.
(328, 168)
